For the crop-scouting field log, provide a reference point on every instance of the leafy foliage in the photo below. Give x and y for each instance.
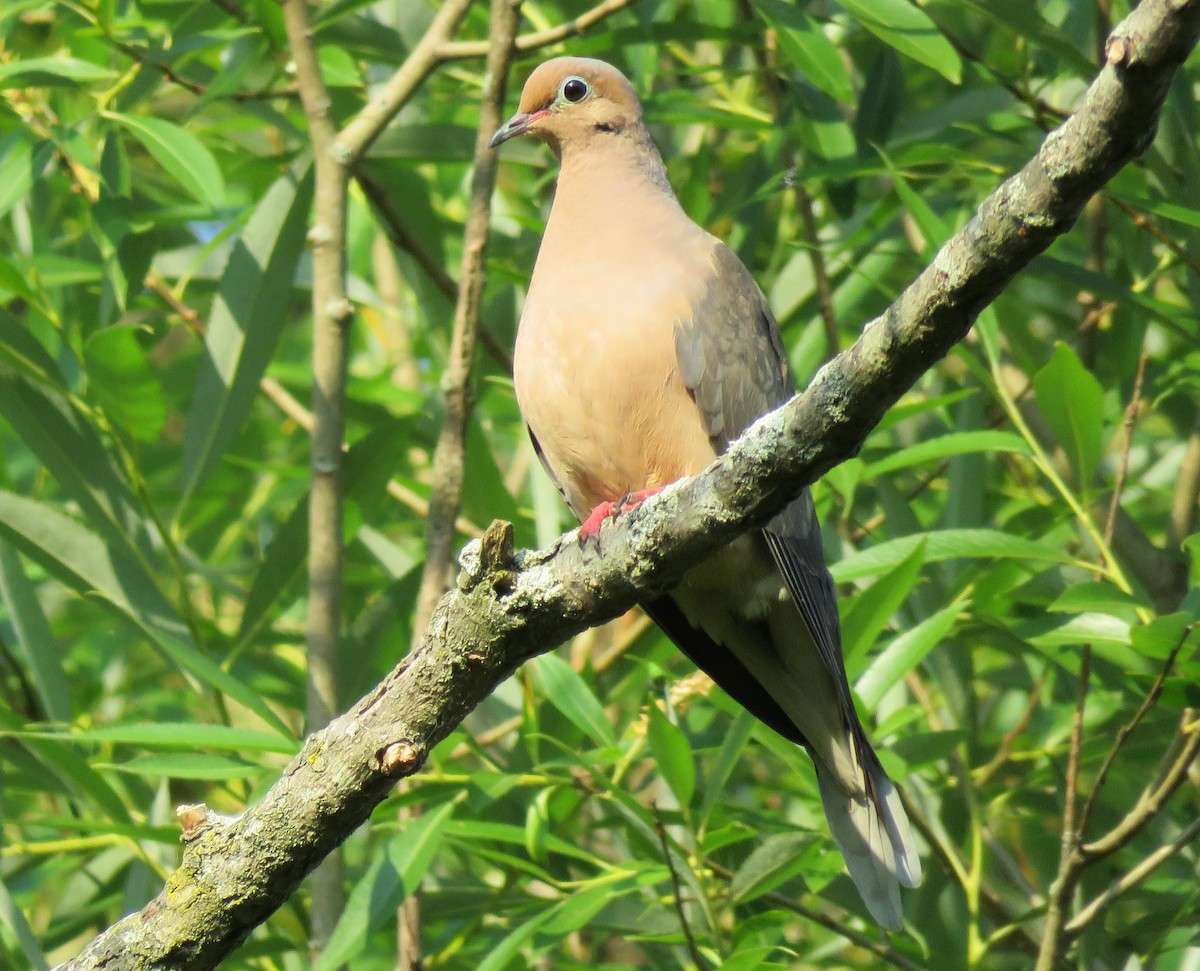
(154, 291)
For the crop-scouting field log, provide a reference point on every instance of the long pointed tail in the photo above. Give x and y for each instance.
(873, 832)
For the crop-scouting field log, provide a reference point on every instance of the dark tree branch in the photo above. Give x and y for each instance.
(509, 606)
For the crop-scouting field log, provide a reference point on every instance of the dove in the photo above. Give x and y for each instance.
(644, 347)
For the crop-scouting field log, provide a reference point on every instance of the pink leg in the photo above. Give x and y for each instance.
(590, 529)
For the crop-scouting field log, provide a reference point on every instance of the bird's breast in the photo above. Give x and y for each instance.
(597, 377)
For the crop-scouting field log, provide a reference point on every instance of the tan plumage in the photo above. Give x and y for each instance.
(644, 348)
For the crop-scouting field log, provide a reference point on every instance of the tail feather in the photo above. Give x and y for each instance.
(872, 829)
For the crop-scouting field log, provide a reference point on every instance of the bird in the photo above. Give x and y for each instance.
(644, 347)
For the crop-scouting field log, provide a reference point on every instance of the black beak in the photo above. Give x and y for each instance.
(518, 124)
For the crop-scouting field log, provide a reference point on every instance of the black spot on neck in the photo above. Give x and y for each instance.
(605, 128)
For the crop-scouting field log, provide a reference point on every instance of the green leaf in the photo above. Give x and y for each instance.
(1162, 635)
(17, 169)
(180, 153)
(871, 610)
(389, 880)
(945, 544)
(570, 694)
(578, 910)
(77, 777)
(49, 72)
(908, 29)
(412, 851)
(1092, 595)
(67, 444)
(1029, 23)
(84, 562)
(932, 227)
(1091, 628)
(365, 472)
(120, 377)
(905, 652)
(778, 858)
(927, 747)
(248, 315)
(673, 753)
(1072, 402)
(183, 735)
(511, 944)
(732, 749)
(12, 918)
(808, 48)
(944, 447)
(42, 655)
(189, 765)
(1184, 215)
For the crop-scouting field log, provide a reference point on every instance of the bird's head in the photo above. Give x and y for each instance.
(573, 99)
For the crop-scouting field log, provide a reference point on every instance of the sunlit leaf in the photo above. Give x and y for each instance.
(570, 694)
(909, 30)
(247, 318)
(180, 153)
(1072, 401)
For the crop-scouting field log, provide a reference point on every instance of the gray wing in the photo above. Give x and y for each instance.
(733, 363)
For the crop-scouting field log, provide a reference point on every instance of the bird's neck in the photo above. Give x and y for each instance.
(614, 179)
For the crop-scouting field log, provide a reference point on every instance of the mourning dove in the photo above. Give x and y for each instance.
(644, 348)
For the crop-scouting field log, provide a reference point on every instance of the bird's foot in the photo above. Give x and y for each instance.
(589, 531)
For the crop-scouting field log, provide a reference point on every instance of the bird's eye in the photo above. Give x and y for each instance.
(575, 90)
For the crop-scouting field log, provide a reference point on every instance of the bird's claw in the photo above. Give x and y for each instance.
(589, 531)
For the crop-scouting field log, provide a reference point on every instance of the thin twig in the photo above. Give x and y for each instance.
(1128, 881)
(984, 773)
(357, 136)
(195, 87)
(1185, 500)
(458, 50)
(1054, 941)
(1131, 417)
(1143, 222)
(677, 891)
(456, 382)
(331, 318)
(816, 257)
(449, 454)
(839, 925)
(1126, 730)
(403, 238)
(1152, 801)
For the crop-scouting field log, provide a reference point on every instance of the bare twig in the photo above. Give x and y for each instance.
(1152, 801)
(1131, 416)
(816, 257)
(1186, 497)
(331, 318)
(1128, 881)
(1126, 730)
(458, 50)
(984, 773)
(1054, 941)
(677, 892)
(839, 925)
(449, 454)
(399, 233)
(403, 238)
(357, 136)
